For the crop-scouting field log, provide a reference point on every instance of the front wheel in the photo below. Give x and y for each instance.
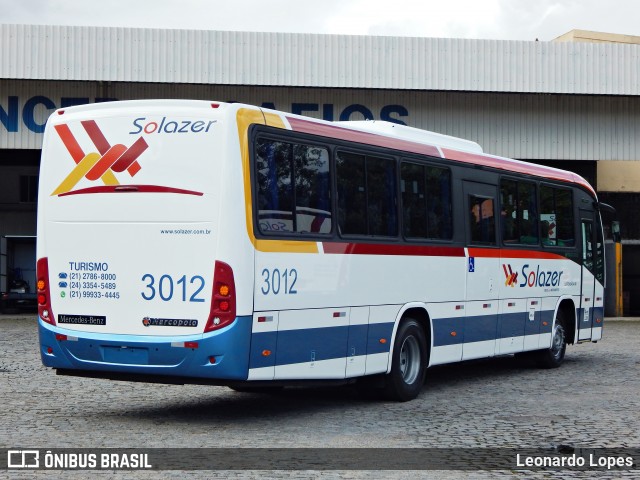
(408, 362)
(554, 355)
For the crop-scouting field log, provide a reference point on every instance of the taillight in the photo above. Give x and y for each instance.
(44, 297)
(223, 298)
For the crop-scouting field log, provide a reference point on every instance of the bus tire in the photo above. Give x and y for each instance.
(553, 356)
(408, 362)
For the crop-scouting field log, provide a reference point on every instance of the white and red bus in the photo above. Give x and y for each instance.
(200, 242)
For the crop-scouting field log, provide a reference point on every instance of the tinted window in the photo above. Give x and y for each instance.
(294, 188)
(352, 197)
(426, 201)
(381, 197)
(482, 220)
(518, 217)
(556, 217)
(366, 195)
(587, 245)
(313, 189)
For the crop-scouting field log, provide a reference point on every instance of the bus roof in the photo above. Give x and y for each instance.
(429, 143)
(413, 134)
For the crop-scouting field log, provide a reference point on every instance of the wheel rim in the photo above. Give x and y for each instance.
(410, 359)
(558, 342)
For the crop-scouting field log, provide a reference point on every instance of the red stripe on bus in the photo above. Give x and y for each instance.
(431, 251)
(387, 249)
(341, 133)
(504, 253)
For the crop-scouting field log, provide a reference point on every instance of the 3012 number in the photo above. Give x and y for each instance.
(166, 288)
(276, 282)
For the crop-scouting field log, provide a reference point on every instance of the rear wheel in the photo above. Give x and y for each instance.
(554, 355)
(408, 362)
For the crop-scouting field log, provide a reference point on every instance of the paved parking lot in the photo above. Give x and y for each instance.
(592, 401)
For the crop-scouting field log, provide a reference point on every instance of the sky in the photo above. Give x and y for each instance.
(479, 19)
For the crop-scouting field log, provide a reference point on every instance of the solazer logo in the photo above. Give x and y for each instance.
(100, 165)
(512, 277)
(532, 277)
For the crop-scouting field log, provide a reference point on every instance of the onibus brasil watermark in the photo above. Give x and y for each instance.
(551, 458)
(574, 460)
(34, 459)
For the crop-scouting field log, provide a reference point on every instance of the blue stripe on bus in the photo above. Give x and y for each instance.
(597, 313)
(532, 327)
(546, 317)
(311, 344)
(235, 355)
(315, 344)
(263, 349)
(480, 328)
(377, 332)
(357, 341)
(443, 329)
(486, 327)
(513, 324)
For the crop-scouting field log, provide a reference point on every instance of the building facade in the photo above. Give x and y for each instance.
(573, 103)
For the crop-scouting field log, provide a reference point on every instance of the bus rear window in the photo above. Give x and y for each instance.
(293, 188)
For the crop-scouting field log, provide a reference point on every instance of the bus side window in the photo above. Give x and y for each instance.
(313, 189)
(381, 197)
(352, 197)
(275, 195)
(587, 245)
(426, 201)
(367, 203)
(414, 203)
(519, 218)
(293, 188)
(482, 220)
(564, 211)
(557, 227)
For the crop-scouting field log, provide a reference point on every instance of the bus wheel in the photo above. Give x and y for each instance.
(554, 355)
(408, 362)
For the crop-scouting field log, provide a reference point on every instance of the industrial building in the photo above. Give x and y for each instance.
(573, 103)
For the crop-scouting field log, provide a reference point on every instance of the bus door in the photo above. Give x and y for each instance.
(483, 267)
(591, 298)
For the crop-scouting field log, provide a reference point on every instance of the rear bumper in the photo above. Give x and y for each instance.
(147, 355)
